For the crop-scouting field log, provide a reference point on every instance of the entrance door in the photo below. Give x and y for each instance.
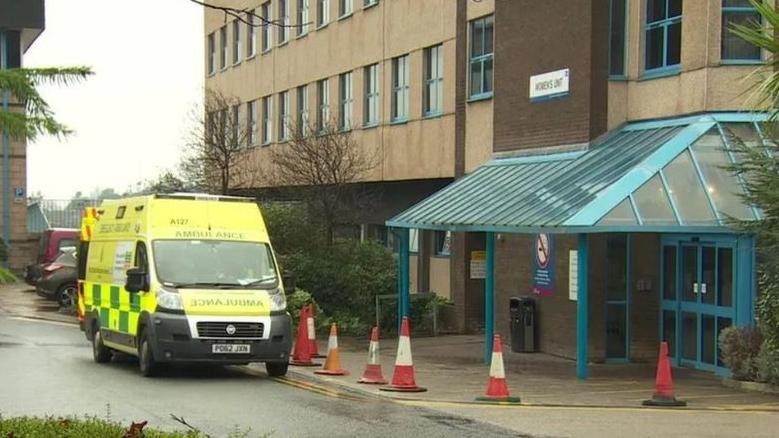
(698, 282)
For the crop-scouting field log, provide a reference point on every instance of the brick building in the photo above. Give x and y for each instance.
(563, 126)
(605, 199)
(20, 24)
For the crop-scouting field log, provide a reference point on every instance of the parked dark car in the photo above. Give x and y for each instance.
(58, 279)
(52, 242)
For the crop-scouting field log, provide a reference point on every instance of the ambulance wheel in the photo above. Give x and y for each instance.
(146, 360)
(276, 369)
(100, 353)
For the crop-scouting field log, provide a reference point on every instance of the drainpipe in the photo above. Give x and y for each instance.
(6, 154)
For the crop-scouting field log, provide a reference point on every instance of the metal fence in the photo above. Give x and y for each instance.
(43, 214)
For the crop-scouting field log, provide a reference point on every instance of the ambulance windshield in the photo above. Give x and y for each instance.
(182, 263)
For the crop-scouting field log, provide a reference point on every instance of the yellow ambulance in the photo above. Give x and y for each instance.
(182, 278)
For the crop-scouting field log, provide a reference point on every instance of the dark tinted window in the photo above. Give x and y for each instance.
(617, 38)
(13, 43)
(66, 243)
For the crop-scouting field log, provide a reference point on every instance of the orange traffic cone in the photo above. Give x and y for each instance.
(497, 389)
(403, 375)
(333, 362)
(302, 355)
(313, 349)
(664, 386)
(373, 374)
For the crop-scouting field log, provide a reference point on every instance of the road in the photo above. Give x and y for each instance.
(47, 369)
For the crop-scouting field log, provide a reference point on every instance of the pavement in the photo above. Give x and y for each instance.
(452, 369)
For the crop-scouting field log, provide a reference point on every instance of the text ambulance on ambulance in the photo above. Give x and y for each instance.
(182, 278)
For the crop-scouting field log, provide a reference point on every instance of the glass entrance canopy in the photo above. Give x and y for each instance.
(663, 176)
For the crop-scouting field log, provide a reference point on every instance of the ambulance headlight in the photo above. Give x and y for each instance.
(169, 299)
(278, 301)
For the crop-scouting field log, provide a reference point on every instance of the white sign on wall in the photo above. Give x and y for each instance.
(548, 85)
(573, 275)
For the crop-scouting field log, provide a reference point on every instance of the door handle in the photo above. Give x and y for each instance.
(695, 288)
(703, 288)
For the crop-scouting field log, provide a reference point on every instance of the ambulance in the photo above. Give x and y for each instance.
(182, 278)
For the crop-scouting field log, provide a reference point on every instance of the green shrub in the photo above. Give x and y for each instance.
(7, 276)
(291, 229)
(345, 277)
(77, 428)
(739, 348)
(768, 364)
(421, 310)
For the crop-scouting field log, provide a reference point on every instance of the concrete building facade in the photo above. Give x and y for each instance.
(556, 119)
(20, 25)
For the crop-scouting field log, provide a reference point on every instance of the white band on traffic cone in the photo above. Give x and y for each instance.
(404, 352)
(373, 353)
(310, 325)
(332, 343)
(496, 366)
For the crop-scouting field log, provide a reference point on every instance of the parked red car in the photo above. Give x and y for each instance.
(52, 242)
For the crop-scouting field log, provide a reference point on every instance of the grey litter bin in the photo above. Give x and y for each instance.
(523, 324)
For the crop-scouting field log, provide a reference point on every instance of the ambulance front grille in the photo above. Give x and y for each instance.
(210, 329)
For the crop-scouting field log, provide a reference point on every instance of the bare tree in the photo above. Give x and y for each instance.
(324, 163)
(215, 157)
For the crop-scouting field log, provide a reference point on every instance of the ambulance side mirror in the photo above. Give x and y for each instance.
(137, 280)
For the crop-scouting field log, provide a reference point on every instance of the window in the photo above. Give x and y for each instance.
(236, 42)
(223, 47)
(211, 53)
(443, 241)
(251, 123)
(266, 28)
(366, 3)
(302, 17)
(267, 120)
(323, 97)
(345, 107)
(400, 88)
(251, 34)
(13, 49)
(283, 21)
(235, 127)
(733, 47)
(663, 34)
(433, 93)
(302, 128)
(371, 95)
(284, 116)
(344, 7)
(322, 12)
(617, 32)
(481, 56)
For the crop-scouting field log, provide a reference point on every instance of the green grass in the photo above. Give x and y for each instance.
(92, 427)
(7, 276)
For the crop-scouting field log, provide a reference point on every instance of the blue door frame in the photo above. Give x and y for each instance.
(694, 305)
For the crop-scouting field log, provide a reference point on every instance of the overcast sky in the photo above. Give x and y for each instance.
(132, 116)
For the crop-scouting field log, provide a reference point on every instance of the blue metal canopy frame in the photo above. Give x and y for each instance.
(576, 193)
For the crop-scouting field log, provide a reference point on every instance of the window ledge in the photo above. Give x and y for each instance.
(250, 57)
(742, 62)
(370, 125)
(480, 97)
(301, 35)
(661, 73)
(283, 43)
(322, 26)
(265, 145)
(345, 16)
(235, 64)
(442, 256)
(429, 116)
(618, 78)
(211, 74)
(402, 121)
(266, 51)
(366, 7)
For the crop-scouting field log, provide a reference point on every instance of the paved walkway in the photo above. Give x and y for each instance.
(451, 368)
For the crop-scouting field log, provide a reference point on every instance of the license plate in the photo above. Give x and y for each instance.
(230, 348)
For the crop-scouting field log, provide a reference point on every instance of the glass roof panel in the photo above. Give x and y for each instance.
(687, 191)
(652, 203)
(743, 132)
(622, 214)
(723, 187)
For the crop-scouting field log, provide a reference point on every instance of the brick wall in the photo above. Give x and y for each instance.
(533, 37)
(467, 294)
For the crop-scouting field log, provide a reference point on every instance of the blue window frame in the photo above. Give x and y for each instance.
(433, 94)
(617, 36)
(663, 45)
(734, 48)
(481, 57)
